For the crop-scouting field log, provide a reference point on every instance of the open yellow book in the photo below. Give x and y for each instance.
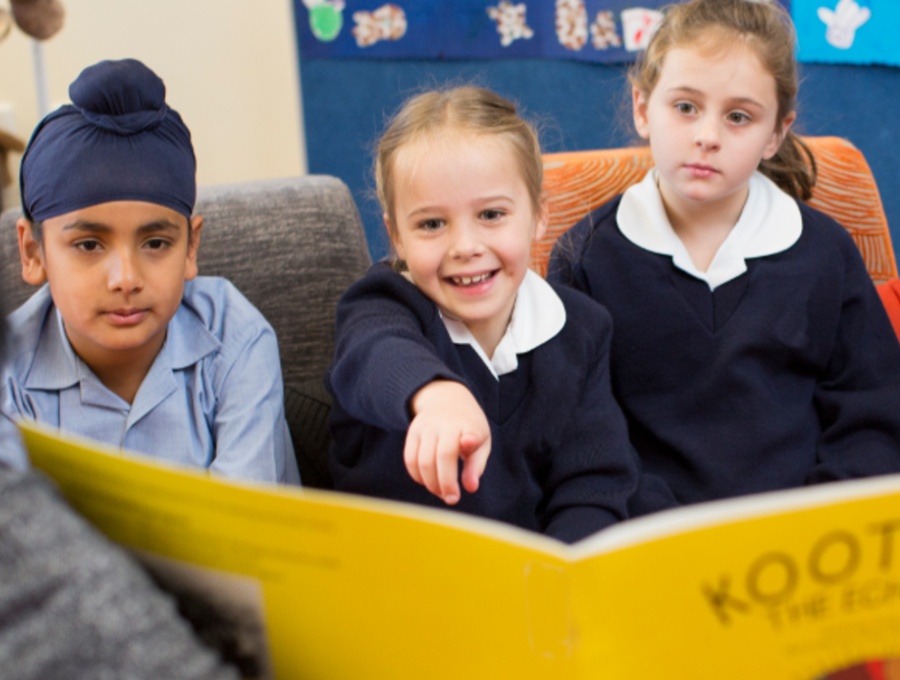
(794, 585)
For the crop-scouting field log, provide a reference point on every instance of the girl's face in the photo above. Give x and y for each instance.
(710, 120)
(464, 224)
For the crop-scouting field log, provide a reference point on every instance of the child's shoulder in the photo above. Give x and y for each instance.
(215, 292)
(219, 307)
(823, 232)
(603, 216)
(35, 307)
(583, 311)
(382, 276)
(384, 283)
(26, 323)
(816, 219)
(593, 228)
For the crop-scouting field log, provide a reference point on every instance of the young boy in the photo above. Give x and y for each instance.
(124, 343)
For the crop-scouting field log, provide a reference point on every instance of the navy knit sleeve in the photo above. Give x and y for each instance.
(857, 398)
(383, 354)
(593, 468)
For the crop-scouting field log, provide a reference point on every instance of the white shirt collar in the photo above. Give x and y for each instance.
(538, 316)
(769, 223)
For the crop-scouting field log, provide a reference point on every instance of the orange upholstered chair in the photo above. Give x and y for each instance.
(577, 182)
(890, 296)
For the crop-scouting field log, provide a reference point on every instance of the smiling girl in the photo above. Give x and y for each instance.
(457, 354)
(751, 351)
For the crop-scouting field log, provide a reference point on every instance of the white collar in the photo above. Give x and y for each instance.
(538, 316)
(769, 223)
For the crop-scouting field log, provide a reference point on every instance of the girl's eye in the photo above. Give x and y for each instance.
(738, 117)
(492, 214)
(431, 225)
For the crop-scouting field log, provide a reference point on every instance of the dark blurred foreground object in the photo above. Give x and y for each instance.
(72, 605)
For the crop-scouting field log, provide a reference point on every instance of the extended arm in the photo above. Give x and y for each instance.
(388, 373)
(448, 426)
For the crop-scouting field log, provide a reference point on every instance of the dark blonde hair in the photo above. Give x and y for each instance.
(464, 108)
(762, 25)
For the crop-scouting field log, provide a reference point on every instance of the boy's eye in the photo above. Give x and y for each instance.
(157, 243)
(492, 214)
(87, 246)
(684, 107)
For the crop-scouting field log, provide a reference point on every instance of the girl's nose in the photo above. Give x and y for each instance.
(706, 134)
(466, 243)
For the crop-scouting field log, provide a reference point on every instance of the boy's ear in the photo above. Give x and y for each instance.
(639, 109)
(191, 269)
(392, 235)
(30, 253)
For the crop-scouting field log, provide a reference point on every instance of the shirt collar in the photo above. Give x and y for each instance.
(188, 338)
(538, 316)
(56, 366)
(769, 223)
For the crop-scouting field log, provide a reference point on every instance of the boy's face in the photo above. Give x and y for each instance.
(116, 273)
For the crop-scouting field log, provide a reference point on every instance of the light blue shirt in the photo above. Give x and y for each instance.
(12, 450)
(213, 397)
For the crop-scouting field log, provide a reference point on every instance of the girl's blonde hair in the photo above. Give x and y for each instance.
(464, 108)
(766, 28)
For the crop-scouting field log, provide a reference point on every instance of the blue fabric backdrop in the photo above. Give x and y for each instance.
(610, 31)
(579, 104)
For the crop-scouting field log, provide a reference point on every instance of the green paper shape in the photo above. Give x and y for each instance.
(325, 22)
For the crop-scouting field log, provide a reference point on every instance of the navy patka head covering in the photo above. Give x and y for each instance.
(117, 141)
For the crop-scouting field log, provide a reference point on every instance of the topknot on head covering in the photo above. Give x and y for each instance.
(117, 141)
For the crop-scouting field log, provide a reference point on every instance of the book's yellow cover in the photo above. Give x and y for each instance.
(792, 585)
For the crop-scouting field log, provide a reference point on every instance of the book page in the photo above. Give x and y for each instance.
(795, 585)
(802, 584)
(350, 587)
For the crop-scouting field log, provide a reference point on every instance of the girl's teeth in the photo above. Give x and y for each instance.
(469, 280)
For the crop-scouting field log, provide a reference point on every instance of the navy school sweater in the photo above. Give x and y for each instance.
(560, 461)
(785, 376)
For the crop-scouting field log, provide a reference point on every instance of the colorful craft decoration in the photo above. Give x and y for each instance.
(834, 31)
(511, 22)
(388, 22)
(325, 18)
(587, 30)
(847, 31)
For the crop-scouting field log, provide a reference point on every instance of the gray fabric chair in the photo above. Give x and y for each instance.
(292, 246)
